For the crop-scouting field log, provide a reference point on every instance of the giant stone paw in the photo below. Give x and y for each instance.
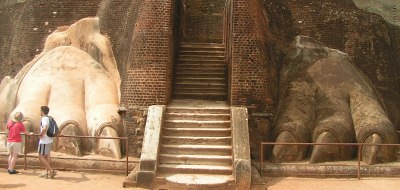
(324, 98)
(76, 76)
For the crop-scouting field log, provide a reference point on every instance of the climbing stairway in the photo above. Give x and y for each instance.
(196, 146)
(201, 72)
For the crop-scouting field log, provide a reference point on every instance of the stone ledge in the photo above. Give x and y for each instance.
(88, 163)
(341, 169)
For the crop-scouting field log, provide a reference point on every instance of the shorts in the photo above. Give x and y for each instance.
(44, 149)
(14, 147)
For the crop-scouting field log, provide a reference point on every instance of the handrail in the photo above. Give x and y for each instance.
(76, 136)
(359, 145)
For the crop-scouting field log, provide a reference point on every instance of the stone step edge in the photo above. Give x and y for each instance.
(198, 129)
(196, 167)
(198, 114)
(191, 156)
(196, 121)
(187, 146)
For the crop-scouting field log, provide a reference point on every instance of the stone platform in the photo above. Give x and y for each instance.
(330, 169)
(87, 163)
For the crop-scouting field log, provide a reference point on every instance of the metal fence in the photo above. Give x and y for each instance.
(359, 145)
(72, 136)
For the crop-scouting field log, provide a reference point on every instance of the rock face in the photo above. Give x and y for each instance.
(324, 98)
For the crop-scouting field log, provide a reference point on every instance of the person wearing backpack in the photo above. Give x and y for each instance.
(45, 143)
(15, 127)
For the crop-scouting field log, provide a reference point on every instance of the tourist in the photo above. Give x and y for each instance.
(45, 143)
(14, 127)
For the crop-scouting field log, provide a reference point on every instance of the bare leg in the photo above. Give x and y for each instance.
(9, 161)
(13, 160)
(45, 162)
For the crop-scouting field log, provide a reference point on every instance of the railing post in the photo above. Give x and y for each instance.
(127, 155)
(359, 160)
(25, 137)
(262, 160)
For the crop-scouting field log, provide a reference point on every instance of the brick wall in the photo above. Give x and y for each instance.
(204, 20)
(252, 80)
(148, 75)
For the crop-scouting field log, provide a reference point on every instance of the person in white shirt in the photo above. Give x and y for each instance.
(45, 143)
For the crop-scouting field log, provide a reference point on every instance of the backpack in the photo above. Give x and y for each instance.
(52, 131)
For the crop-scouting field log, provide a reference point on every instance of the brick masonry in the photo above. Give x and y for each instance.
(149, 67)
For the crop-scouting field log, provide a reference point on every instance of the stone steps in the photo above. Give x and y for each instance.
(187, 74)
(200, 57)
(203, 52)
(198, 116)
(195, 169)
(194, 181)
(211, 132)
(214, 160)
(176, 140)
(208, 110)
(197, 79)
(196, 124)
(201, 72)
(202, 96)
(196, 142)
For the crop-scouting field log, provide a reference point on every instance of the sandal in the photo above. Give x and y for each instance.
(53, 173)
(44, 174)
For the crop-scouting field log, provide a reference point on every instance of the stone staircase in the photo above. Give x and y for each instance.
(196, 147)
(201, 72)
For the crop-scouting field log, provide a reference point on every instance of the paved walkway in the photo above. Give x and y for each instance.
(66, 180)
(292, 183)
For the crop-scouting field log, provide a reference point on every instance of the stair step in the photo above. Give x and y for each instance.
(196, 60)
(222, 150)
(209, 110)
(194, 180)
(200, 84)
(188, 74)
(196, 124)
(197, 56)
(201, 65)
(173, 140)
(200, 96)
(194, 72)
(202, 52)
(198, 116)
(210, 132)
(197, 70)
(214, 160)
(201, 46)
(202, 57)
(200, 90)
(194, 169)
(197, 93)
(200, 79)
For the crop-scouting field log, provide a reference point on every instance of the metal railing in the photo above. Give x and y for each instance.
(72, 136)
(359, 145)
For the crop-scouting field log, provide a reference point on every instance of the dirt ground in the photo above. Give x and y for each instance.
(67, 180)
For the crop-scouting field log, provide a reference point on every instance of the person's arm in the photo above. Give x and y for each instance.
(45, 123)
(44, 130)
(23, 129)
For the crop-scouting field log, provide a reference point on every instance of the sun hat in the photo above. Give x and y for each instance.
(17, 117)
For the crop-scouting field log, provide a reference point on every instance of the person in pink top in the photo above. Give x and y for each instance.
(15, 127)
